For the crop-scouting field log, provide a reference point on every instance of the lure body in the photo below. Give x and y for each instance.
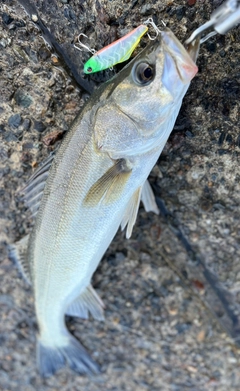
(116, 52)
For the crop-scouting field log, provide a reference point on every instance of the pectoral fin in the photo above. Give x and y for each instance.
(148, 198)
(110, 185)
(131, 211)
(88, 301)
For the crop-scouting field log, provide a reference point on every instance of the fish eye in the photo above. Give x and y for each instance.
(143, 73)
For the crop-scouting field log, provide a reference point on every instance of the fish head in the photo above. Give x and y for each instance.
(158, 79)
(179, 65)
(148, 94)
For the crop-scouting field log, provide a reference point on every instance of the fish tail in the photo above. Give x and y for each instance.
(51, 358)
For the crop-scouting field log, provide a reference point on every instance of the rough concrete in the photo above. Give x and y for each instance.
(160, 331)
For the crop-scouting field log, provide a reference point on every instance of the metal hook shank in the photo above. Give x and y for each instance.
(222, 20)
(83, 45)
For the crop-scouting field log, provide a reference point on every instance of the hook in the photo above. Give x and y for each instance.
(151, 22)
(83, 45)
(209, 35)
(221, 21)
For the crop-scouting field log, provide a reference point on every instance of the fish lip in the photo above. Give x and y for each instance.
(184, 58)
(193, 49)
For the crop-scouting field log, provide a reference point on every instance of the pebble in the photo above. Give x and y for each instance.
(3, 43)
(22, 98)
(229, 139)
(44, 53)
(211, 46)
(15, 121)
(182, 327)
(180, 12)
(222, 152)
(146, 9)
(27, 146)
(201, 336)
(7, 19)
(2, 128)
(31, 54)
(221, 138)
(54, 60)
(3, 154)
(39, 126)
(222, 53)
(69, 14)
(238, 142)
(214, 176)
(52, 138)
(26, 124)
(232, 360)
(10, 136)
(192, 369)
(198, 284)
(206, 204)
(189, 134)
(34, 18)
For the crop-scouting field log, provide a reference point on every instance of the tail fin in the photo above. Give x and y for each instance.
(51, 359)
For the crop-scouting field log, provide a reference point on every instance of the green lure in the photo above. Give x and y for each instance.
(116, 52)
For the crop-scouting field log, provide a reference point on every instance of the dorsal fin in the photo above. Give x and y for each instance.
(33, 191)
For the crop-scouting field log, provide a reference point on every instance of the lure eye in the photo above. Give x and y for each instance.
(143, 73)
(89, 69)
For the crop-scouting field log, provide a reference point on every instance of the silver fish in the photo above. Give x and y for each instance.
(93, 186)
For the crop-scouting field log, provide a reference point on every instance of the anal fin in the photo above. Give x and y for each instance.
(131, 211)
(88, 301)
(148, 198)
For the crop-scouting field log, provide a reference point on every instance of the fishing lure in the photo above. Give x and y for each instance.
(116, 52)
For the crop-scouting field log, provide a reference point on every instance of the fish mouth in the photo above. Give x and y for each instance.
(193, 49)
(183, 58)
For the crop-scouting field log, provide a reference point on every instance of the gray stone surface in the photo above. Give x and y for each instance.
(160, 331)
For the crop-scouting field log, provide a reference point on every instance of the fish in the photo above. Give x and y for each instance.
(91, 187)
(115, 53)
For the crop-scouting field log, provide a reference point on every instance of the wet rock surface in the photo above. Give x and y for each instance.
(160, 332)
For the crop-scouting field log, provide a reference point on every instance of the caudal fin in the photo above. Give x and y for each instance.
(50, 358)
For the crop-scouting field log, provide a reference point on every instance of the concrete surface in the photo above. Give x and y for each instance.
(175, 285)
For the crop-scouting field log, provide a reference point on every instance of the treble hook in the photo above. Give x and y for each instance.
(83, 45)
(151, 22)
